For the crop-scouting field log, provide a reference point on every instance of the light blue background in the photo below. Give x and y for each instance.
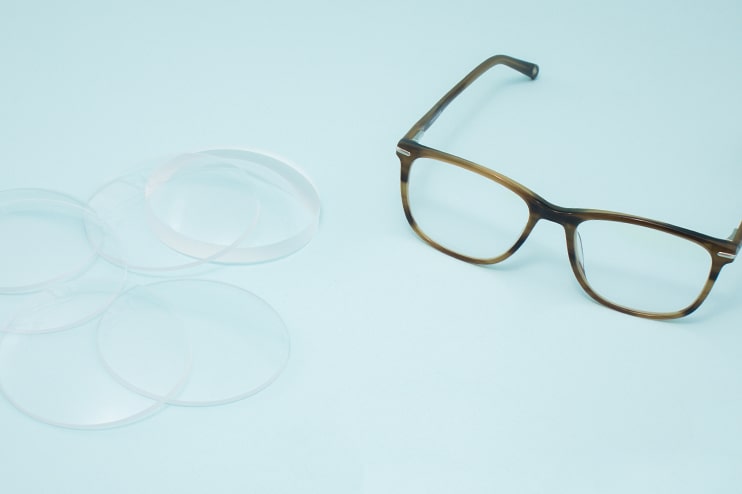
(410, 372)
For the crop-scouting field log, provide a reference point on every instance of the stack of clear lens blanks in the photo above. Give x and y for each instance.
(83, 346)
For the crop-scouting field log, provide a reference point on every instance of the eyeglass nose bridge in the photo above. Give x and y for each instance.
(541, 209)
(568, 219)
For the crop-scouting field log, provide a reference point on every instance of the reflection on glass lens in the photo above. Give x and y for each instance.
(464, 211)
(641, 268)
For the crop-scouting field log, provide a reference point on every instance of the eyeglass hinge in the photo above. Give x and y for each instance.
(726, 255)
(403, 152)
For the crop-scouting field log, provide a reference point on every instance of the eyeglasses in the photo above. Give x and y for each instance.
(631, 264)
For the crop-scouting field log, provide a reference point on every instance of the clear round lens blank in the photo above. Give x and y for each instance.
(641, 268)
(58, 378)
(44, 239)
(221, 205)
(464, 211)
(52, 277)
(238, 343)
(195, 200)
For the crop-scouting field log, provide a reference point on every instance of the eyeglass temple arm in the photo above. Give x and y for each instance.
(526, 68)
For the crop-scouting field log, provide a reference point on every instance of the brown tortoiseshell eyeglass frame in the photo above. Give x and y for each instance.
(722, 251)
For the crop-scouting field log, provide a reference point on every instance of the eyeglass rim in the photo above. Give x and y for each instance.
(721, 251)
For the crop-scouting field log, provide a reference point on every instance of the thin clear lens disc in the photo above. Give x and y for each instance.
(44, 239)
(58, 378)
(52, 276)
(464, 211)
(641, 268)
(239, 344)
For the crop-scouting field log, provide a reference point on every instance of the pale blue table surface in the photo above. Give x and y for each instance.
(410, 371)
